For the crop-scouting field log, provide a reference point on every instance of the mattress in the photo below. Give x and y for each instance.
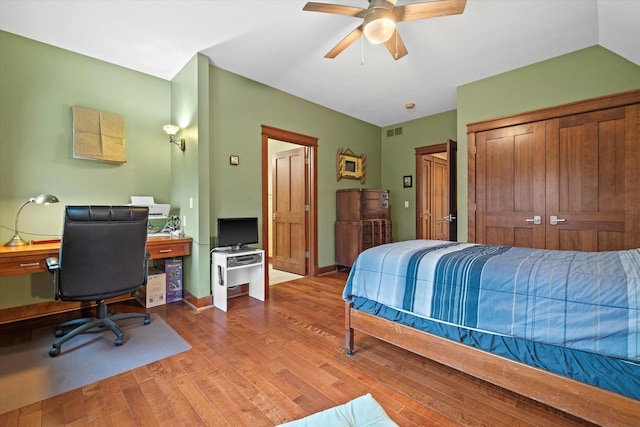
(572, 313)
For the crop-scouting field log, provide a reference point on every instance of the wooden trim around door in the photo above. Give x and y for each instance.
(267, 133)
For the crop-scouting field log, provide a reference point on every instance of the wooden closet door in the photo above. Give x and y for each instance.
(587, 176)
(586, 181)
(510, 185)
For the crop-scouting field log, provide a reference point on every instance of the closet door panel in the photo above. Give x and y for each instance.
(510, 185)
(632, 169)
(586, 153)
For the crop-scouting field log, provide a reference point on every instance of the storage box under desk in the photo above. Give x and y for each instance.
(154, 293)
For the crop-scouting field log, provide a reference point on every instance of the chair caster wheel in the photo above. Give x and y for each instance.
(147, 321)
(118, 341)
(54, 352)
(59, 332)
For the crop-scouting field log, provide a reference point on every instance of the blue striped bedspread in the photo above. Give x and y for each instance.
(587, 301)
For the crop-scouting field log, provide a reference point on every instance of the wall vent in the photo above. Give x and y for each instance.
(394, 132)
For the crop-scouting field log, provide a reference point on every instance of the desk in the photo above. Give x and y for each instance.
(30, 259)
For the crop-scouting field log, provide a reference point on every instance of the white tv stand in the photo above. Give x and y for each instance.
(234, 268)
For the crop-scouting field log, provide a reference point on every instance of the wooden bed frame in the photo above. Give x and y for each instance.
(579, 399)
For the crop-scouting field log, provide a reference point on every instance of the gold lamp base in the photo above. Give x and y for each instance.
(16, 240)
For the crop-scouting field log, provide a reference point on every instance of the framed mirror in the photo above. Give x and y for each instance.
(351, 166)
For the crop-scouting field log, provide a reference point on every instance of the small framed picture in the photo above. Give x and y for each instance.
(234, 160)
(407, 181)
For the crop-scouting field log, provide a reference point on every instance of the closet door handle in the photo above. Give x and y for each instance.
(554, 220)
(537, 220)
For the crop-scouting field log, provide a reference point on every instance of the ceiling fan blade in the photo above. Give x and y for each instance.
(396, 46)
(432, 9)
(335, 9)
(345, 43)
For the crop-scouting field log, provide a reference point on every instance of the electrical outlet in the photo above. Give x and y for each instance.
(184, 220)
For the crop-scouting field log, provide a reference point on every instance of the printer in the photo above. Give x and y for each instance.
(156, 210)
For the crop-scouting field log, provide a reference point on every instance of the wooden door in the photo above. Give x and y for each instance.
(289, 216)
(423, 181)
(575, 166)
(585, 161)
(440, 198)
(436, 196)
(510, 186)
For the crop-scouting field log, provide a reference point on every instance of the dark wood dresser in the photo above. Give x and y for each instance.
(362, 222)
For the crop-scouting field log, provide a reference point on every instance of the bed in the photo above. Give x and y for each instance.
(560, 327)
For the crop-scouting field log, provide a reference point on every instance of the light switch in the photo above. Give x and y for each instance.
(184, 220)
(190, 202)
(406, 203)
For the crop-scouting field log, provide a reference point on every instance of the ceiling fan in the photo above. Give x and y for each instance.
(380, 18)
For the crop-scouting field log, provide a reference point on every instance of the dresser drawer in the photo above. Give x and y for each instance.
(375, 213)
(358, 204)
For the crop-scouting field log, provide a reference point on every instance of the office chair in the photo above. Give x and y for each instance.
(102, 255)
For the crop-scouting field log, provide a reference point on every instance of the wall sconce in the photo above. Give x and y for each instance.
(171, 130)
(43, 199)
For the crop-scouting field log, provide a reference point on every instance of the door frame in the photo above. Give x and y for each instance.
(446, 147)
(269, 132)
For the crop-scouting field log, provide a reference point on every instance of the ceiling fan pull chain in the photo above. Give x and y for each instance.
(396, 32)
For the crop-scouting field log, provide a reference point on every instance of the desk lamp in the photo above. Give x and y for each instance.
(42, 199)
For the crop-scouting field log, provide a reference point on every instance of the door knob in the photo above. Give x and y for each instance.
(449, 218)
(554, 220)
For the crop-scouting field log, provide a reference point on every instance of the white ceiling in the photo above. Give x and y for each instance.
(278, 44)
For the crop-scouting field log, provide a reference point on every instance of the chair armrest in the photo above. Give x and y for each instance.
(146, 267)
(52, 264)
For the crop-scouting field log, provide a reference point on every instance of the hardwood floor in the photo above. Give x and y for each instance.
(261, 364)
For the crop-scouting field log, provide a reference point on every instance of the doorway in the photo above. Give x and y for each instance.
(289, 230)
(436, 197)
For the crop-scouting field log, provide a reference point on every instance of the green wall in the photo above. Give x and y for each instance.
(38, 86)
(239, 108)
(220, 113)
(190, 168)
(398, 154)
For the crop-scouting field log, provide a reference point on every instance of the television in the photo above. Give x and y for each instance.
(235, 233)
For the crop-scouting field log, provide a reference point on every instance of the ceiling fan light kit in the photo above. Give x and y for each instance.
(379, 25)
(380, 20)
